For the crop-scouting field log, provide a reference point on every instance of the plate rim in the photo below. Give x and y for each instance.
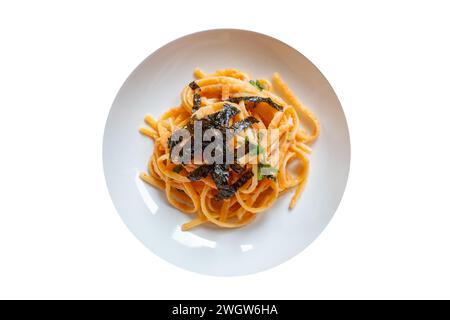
(260, 34)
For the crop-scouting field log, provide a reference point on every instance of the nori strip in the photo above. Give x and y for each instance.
(218, 120)
(190, 125)
(200, 172)
(220, 175)
(177, 168)
(222, 118)
(227, 191)
(256, 100)
(237, 168)
(247, 175)
(196, 103)
(194, 86)
(172, 142)
(243, 124)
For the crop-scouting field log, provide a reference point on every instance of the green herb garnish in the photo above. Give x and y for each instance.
(257, 85)
(256, 150)
(266, 170)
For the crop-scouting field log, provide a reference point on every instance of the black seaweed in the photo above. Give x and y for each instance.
(220, 173)
(222, 118)
(227, 191)
(177, 168)
(244, 124)
(220, 176)
(256, 100)
(197, 102)
(200, 172)
(237, 168)
(247, 175)
(194, 86)
(172, 142)
(190, 125)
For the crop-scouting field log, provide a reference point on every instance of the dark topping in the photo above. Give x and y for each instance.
(222, 118)
(244, 124)
(243, 179)
(220, 175)
(237, 168)
(190, 125)
(225, 192)
(219, 172)
(197, 102)
(228, 191)
(172, 141)
(257, 100)
(194, 86)
(177, 168)
(201, 172)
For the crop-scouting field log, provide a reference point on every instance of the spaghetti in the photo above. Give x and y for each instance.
(269, 137)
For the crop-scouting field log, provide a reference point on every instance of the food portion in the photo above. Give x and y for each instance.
(231, 148)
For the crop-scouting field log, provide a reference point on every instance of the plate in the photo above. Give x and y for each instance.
(278, 233)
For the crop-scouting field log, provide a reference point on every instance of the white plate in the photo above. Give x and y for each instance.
(277, 234)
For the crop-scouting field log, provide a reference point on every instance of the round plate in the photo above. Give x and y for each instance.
(278, 233)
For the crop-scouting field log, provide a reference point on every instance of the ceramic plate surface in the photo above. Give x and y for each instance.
(277, 234)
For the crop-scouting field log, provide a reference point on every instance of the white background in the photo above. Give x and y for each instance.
(61, 64)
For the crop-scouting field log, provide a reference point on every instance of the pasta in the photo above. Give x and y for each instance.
(262, 137)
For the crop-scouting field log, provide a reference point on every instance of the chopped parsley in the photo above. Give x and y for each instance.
(257, 85)
(256, 150)
(266, 170)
